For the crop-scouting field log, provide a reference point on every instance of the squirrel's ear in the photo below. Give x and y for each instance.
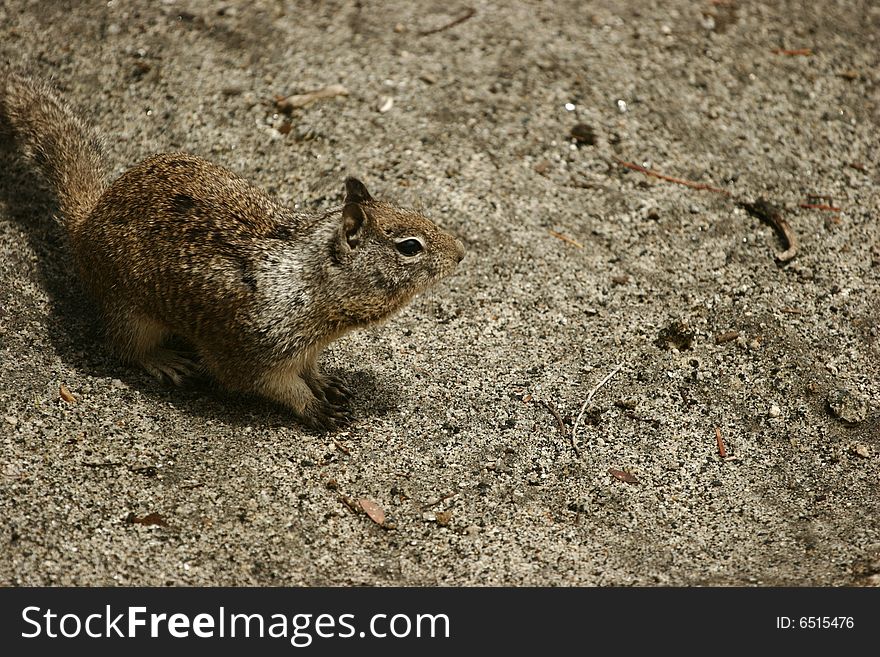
(354, 221)
(356, 191)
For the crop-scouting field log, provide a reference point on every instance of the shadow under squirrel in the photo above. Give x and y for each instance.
(180, 246)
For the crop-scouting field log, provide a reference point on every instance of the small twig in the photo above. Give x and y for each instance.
(678, 181)
(342, 448)
(819, 206)
(722, 451)
(803, 52)
(442, 499)
(550, 407)
(761, 208)
(766, 211)
(470, 12)
(589, 398)
(286, 104)
(815, 198)
(565, 238)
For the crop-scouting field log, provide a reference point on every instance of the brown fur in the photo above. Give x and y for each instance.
(180, 246)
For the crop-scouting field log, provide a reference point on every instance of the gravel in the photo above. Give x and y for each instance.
(575, 264)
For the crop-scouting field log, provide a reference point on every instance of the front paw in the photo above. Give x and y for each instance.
(330, 390)
(324, 416)
(337, 392)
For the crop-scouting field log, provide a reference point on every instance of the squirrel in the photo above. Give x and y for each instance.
(178, 246)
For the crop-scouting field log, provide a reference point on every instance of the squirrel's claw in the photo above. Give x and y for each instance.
(331, 391)
(337, 392)
(326, 417)
(169, 365)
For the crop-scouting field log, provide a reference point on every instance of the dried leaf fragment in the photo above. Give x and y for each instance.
(66, 395)
(443, 518)
(623, 476)
(149, 519)
(376, 512)
(727, 336)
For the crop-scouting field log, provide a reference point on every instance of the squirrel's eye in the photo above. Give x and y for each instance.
(410, 246)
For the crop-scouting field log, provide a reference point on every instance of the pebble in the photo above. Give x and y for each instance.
(11, 420)
(847, 406)
(387, 104)
(775, 411)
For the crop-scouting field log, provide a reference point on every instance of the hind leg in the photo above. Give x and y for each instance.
(139, 338)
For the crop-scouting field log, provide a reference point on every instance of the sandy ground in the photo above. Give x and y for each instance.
(578, 268)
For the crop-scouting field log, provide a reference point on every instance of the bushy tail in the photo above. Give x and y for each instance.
(61, 144)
